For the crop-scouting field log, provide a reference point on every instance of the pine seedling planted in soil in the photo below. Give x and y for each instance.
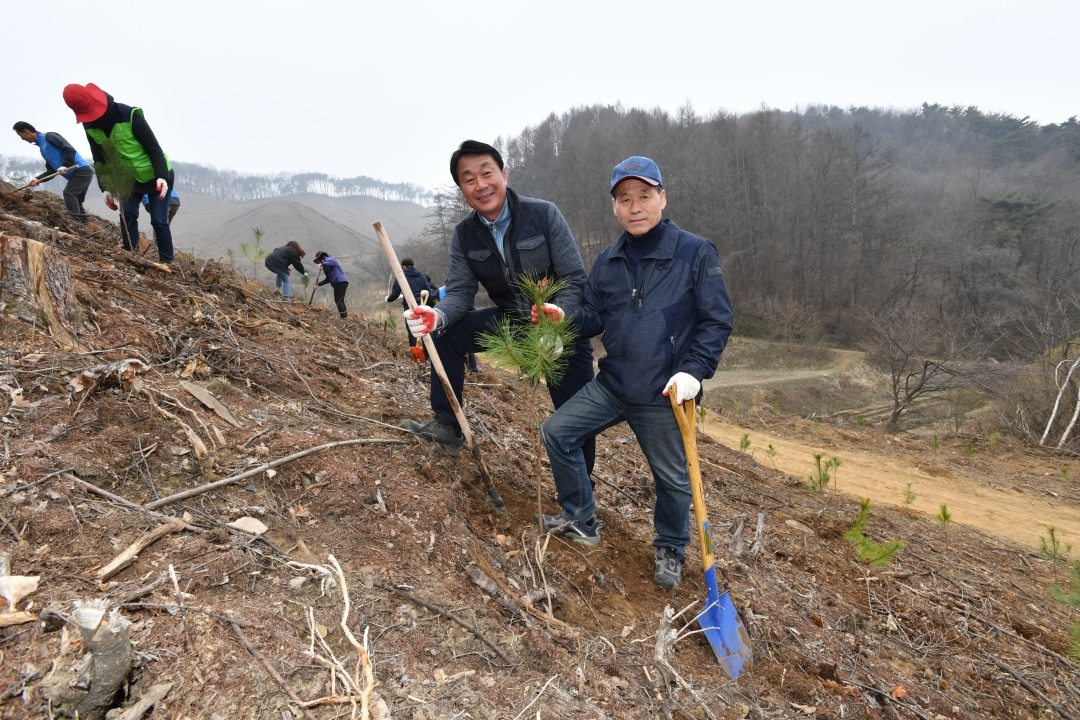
(541, 349)
(117, 179)
(255, 252)
(1052, 550)
(822, 473)
(1065, 474)
(1071, 598)
(909, 495)
(935, 444)
(944, 517)
(771, 452)
(744, 442)
(869, 551)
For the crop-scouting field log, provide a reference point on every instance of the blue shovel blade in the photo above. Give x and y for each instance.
(724, 630)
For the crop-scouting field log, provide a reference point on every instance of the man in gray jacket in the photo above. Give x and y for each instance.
(505, 237)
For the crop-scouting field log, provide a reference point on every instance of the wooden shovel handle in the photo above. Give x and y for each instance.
(685, 417)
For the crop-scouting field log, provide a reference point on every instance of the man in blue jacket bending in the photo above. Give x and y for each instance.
(63, 159)
(659, 298)
(506, 237)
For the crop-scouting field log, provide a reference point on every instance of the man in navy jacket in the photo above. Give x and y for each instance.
(659, 298)
(418, 282)
(63, 159)
(507, 236)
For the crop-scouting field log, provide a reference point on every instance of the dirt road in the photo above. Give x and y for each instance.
(739, 378)
(1008, 514)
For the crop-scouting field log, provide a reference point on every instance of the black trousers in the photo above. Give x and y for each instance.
(456, 343)
(339, 297)
(78, 181)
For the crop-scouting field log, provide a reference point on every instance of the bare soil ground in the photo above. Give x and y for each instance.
(833, 638)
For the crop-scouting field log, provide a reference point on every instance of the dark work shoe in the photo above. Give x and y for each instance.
(668, 573)
(450, 438)
(583, 533)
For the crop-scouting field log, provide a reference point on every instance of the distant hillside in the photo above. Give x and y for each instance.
(341, 226)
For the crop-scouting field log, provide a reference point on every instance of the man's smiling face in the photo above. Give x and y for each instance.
(482, 184)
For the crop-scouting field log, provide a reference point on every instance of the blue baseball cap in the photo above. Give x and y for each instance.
(638, 167)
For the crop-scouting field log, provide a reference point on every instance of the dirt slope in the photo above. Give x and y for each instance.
(832, 637)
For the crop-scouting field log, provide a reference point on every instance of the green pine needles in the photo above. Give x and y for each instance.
(540, 350)
(870, 552)
(1071, 598)
(114, 174)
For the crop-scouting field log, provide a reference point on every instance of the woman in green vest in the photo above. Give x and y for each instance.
(102, 117)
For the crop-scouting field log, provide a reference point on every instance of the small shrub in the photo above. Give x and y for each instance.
(1052, 550)
(744, 442)
(909, 495)
(970, 448)
(774, 404)
(935, 444)
(738, 404)
(860, 420)
(701, 413)
(869, 551)
(1065, 474)
(992, 439)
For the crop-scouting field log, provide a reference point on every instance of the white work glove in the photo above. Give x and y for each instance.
(62, 171)
(34, 182)
(554, 312)
(422, 320)
(387, 299)
(110, 201)
(686, 387)
(162, 188)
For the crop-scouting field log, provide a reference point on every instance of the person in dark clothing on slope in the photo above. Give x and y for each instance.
(418, 282)
(507, 237)
(104, 118)
(279, 262)
(335, 277)
(659, 299)
(61, 158)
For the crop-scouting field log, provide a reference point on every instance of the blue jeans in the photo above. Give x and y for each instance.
(159, 220)
(460, 339)
(282, 282)
(595, 409)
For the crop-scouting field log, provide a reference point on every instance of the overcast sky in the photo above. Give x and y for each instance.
(388, 89)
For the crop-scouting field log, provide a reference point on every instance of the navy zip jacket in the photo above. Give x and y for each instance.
(417, 281)
(538, 243)
(676, 317)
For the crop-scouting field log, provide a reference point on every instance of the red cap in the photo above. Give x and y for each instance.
(88, 101)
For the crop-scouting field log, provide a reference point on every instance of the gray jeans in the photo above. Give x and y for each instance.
(78, 181)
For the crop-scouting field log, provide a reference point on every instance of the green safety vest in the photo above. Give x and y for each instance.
(131, 150)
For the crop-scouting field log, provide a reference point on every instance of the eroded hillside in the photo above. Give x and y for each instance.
(253, 621)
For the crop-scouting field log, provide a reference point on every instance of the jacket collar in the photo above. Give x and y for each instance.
(664, 250)
(480, 228)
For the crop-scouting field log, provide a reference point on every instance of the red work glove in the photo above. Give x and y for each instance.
(110, 201)
(162, 189)
(554, 312)
(421, 320)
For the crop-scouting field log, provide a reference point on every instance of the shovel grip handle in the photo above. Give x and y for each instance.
(684, 416)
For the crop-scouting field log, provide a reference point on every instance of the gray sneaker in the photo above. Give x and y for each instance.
(583, 533)
(668, 573)
(450, 438)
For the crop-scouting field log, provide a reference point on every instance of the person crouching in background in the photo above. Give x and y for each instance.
(278, 262)
(335, 276)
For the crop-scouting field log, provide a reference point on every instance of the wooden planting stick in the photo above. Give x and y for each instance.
(433, 356)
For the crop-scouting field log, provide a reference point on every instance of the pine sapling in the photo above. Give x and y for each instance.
(1065, 474)
(255, 252)
(1071, 598)
(992, 439)
(970, 448)
(738, 404)
(118, 179)
(541, 349)
(1052, 550)
(771, 452)
(823, 472)
(870, 552)
(701, 412)
(935, 444)
(944, 517)
(744, 442)
(909, 495)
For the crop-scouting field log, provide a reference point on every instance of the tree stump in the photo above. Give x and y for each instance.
(36, 286)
